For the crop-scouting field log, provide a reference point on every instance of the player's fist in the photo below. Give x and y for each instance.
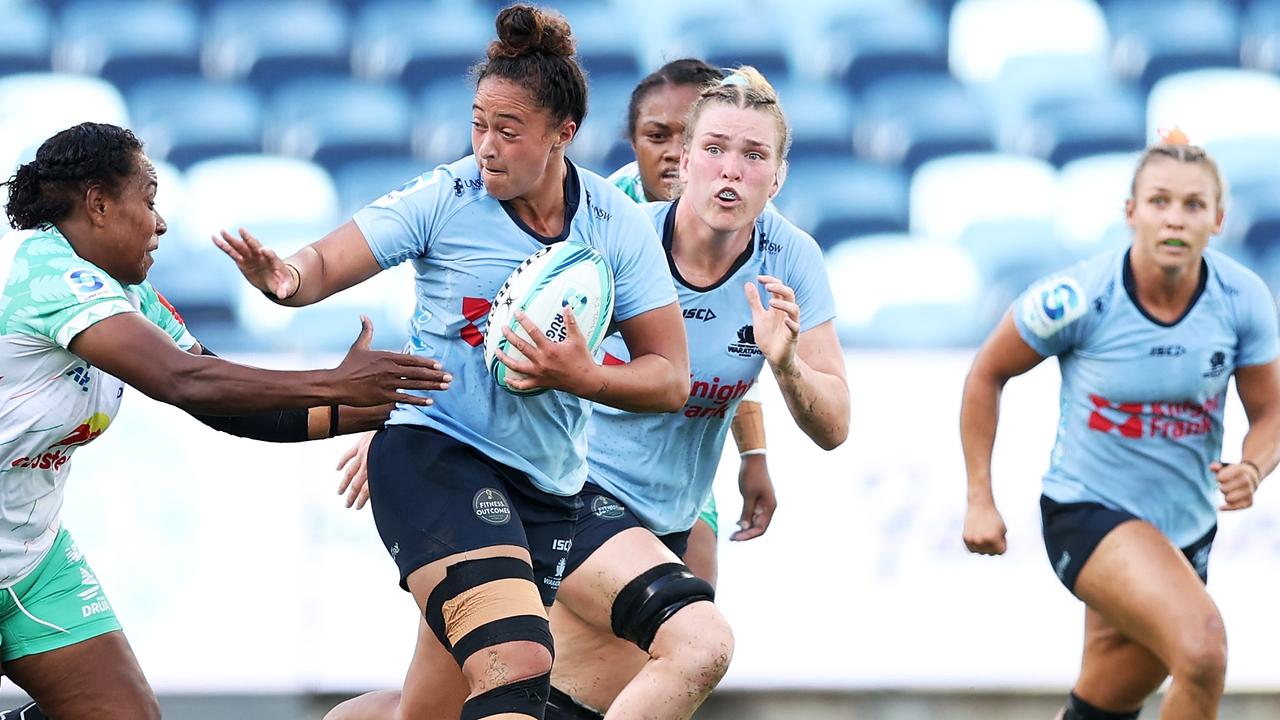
(984, 529)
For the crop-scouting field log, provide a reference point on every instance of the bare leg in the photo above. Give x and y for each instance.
(701, 553)
(1145, 591)
(98, 679)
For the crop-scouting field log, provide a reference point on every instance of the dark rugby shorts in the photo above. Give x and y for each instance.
(601, 517)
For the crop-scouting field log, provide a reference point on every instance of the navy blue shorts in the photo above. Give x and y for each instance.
(434, 496)
(604, 516)
(1073, 530)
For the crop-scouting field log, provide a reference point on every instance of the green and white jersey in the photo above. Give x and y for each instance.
(53, 401)
(627, 179)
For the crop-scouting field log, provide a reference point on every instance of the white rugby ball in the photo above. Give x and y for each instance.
(564, 275)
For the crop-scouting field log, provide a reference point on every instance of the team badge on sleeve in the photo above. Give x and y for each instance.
(1052, 305)
(86, 284)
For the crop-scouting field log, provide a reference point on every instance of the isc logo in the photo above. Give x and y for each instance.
(703, 314)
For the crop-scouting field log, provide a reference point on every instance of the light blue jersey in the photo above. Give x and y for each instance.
(1141, 402)
(661, 465)
(463, 244)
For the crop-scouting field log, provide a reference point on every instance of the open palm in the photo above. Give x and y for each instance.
(777, 325)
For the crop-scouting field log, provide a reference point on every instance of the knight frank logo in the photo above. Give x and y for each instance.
(1158, 419)
(746, 345)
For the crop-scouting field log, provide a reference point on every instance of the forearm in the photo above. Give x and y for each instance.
(648, 384)
(979, 414)
(213, 386)
(353, 419)
(818, 401)
(1262, 445)
(748, 427)
(309, 265)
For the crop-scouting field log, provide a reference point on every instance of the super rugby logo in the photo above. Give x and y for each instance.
(1053, 305)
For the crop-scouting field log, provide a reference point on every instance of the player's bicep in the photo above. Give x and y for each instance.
(658, 332)
(1259, 389)
(345, 257)
(1005, 354)
(130, 347)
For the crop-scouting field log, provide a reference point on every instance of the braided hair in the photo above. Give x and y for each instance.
(45, 190)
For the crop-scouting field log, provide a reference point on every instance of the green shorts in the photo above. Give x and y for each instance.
(710, 515)
(58, 604)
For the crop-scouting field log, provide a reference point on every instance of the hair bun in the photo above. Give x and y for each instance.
(1174, 136)
(524, 30)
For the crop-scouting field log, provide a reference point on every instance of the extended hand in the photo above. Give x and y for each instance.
(777, 327)
(373, 377)
(260, 265)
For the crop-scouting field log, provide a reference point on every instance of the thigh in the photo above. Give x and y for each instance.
(701, 553)
(434, 687)
(96, 679)
(1116, 673)
(590, 590)
(1145, 588)
(592, 664)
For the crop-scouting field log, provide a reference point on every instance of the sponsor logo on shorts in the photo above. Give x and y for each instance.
(492, 507)
(95, 601)
(1200, 561)
(560, 567)
(73, 554)
(746, 346)
(394, 550)
(607, 508)
(1061, 566)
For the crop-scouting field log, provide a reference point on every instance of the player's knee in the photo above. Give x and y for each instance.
(655, 597)
(489, 615)
(1202, 654)
(699, 641)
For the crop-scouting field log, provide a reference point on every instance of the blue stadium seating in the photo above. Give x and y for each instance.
(910, 119)
(1155, 38)
(949, 194)
(1216, 105)
(125, 41)
(272, 43)
(1260, 44)
(364, 181)
(1063, 130)
(747, 36)
(837, 199)
(443, 132)
(822, 117)
(25, 33)
(606, 45)
(601, 144)
(418, 43)
(883, 41)
(184, 120)
(338, 120)
(1088, 209)
(35, 106)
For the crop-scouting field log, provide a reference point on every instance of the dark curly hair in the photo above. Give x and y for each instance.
(685, 71)
(535, 48)
(45, 190)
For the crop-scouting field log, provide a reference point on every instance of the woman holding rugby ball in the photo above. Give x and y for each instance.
(1146, 339)
(475, 495)
(636, 632)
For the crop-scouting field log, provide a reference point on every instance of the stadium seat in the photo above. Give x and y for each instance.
(1246, 160)
(193, 274)
(1062, 130)
(1260, 44)
(360, 183)
(948, 195)
(869, 44)
(1010, 254)
(1155, 38)
(605, 45)
(1253, 214)
(1026, 81)
(904, 291)
(1026, 27)
(836, 199)
(35, 106)
(601, 141)
(125, 41)
(910, 119)
(419, 43)
(749, 35)
(338, 120)
(271, 43)
(822, 118)
(286, 203)
(1216, 105)
(186, 120)
(25, 31)
(442, 130)
(1089, 204)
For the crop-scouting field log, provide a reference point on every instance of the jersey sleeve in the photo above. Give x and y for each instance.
(807, 276)
(1052, 314)
(1259, 338)
(641, 279)
(62, 295)
(399, 225)
(157, 309)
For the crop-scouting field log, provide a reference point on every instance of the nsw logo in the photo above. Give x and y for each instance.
(607, 508)
(746, 346)
(492, 507)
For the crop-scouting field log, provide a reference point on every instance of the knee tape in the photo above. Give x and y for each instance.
(486, 602)
(1078, 709)
(523, 697)
(652, 598)
(560, 706)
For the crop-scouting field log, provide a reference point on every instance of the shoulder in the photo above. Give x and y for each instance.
(1064, 297)
(456, 183)
(1242, 288)
(778, 238)
(606, 203)
(46, 267)
(626, 173)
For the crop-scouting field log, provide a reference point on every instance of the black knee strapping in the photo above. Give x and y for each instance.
(1078, 709)
(562, 707)
(27, 712)
(652, 598)
(525, 619)
(526, 697)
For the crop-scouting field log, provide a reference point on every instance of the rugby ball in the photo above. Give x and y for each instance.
(565, 276)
